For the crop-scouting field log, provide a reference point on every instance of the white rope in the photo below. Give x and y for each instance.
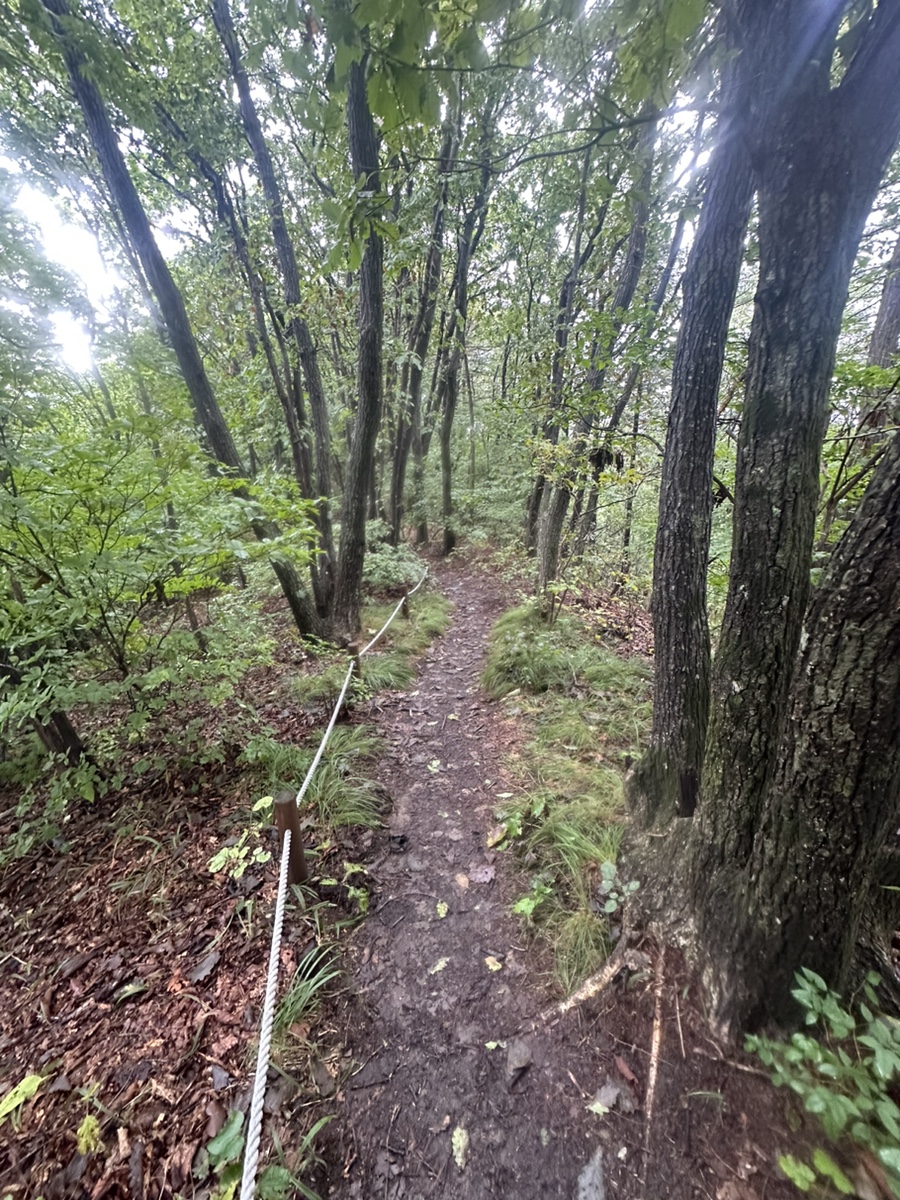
(254, 1126)
(384, 627)
(326, 735)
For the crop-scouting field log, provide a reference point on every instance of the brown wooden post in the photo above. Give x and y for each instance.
(287, 817)
(405, 609)
(353, 649)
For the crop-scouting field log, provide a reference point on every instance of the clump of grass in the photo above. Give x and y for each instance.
(589, 708)
(324, 685)
(385, 672)
(340, 793)
(524, 653)
(316, 970)
(429, 616)
(581, 944)
(573, 839)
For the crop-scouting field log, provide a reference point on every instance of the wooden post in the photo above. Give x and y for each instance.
(353, 649)
(287, 817)
(404, 611)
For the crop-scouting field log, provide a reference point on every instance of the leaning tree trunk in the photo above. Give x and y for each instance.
(171, 304)
(835, 795)
(824, 164)
(306, 349)
(361, 463)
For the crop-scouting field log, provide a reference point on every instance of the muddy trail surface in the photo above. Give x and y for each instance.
(468, 1083)
(450, 1100)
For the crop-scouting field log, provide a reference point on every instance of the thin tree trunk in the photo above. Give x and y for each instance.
(419, 339)
(291, 278)
(473, 227)
(550, 536)
(364, 159)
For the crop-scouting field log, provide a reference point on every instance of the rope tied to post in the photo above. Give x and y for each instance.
(254, 1125)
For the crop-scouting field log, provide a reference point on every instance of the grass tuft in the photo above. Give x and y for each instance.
(588, 708)
(316, 970)
(581, 944)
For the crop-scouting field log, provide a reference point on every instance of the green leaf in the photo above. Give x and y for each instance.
(275, 1183)
(20, 1093)
(797, 1172)
(826, 1166)
(228, 1144)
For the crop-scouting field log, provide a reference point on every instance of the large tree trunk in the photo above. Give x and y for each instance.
(306, 349)
(171, 304)
(835, 795)
(670, 771)
(824, 163)
(361, 464)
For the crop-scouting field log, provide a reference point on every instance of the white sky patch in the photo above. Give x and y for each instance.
(69, 245)
(73, 342)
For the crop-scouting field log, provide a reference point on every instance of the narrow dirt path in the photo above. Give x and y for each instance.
(442, 972)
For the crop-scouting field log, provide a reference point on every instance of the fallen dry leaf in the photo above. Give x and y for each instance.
(624, 1070)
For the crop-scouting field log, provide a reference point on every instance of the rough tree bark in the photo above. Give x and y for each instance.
(835, 794)
(360, 466)
(826, 154)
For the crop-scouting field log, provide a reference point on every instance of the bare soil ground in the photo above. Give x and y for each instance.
(134, 986)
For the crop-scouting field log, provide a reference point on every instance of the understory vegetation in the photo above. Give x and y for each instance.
(587, 711)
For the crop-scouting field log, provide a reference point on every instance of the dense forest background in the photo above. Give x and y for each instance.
(616, 283)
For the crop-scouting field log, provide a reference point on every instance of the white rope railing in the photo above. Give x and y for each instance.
(254, 1126)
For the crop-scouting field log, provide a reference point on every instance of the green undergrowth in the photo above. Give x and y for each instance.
(587, 711)
(341, 792)
(846, 1077)
(390, 665)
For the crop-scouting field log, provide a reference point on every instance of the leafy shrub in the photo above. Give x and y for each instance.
(387, 567)
(844, 1079)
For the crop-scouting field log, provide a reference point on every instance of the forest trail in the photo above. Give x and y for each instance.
(442, 973)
